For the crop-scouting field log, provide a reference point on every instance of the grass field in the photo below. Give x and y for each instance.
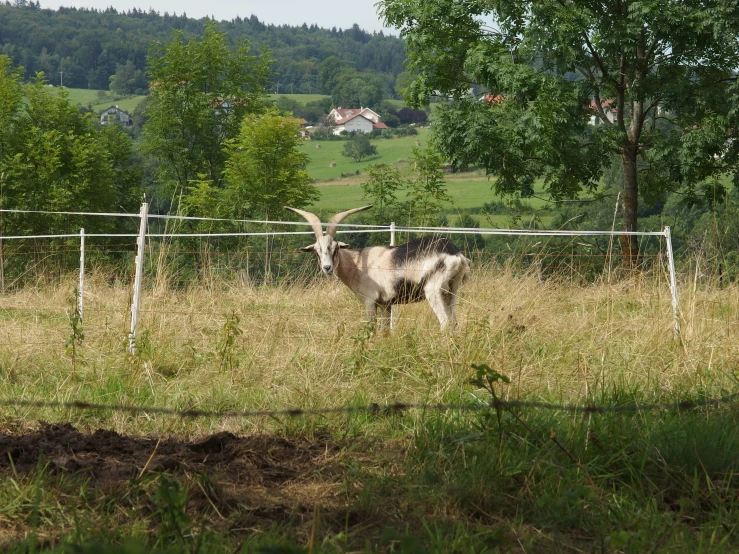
(85, 97)
(302, 99)
(468, 190)
(521, 480)
(389, 151)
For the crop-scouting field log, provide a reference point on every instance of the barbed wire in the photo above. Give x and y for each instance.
(377, 409)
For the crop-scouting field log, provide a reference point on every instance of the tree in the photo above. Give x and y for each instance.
(53, 157)
(359, 147)
(265, 169)
(128, 80)
(427, 188)
(666, 69)
(381, 187)
(358, 89)
(330, 71)
(201, 91)
(402, 82)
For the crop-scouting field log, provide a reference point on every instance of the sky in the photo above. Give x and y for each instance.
(324, 13)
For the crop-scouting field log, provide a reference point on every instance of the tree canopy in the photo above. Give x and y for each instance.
(201, 91)
(265, 169)
(52, 157)
(88, 45)
(359, 147)
(658, 76)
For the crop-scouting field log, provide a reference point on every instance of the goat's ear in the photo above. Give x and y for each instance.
(309, 248)
(342, 244)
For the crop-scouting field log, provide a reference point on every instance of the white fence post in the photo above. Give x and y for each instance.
(392, 243)
(138, 277)
(81, 291)
(673, 283)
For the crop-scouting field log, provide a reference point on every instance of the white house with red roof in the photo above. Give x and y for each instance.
(354, 120)
(609, 109)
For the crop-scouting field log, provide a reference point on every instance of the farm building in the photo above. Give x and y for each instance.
(114, 114)
(354, 120)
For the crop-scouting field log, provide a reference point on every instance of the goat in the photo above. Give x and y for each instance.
(380, 276)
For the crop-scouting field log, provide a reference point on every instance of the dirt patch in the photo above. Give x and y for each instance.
(267, 474)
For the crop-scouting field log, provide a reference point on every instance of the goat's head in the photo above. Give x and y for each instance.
(326, 246)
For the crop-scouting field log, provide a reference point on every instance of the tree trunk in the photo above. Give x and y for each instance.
(629, 244)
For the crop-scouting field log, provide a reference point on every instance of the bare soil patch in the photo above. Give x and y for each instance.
(109, 456)
(262, 477)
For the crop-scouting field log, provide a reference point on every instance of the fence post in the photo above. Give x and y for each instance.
(673, 283)
(138, 277)
(392, 243)
(81, 292)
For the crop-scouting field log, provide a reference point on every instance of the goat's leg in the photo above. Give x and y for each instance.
(385, 318)
(441, 308)
(454, 285)
(371, 308)
(456, 278)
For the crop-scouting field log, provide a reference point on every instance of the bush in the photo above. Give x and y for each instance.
(404, 132)
(359, 147)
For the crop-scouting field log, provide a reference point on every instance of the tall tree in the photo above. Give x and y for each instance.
(383, 183)
(265, 169)
(201, 91)
(658, 75)
(52, 157)
(427, 192)
(128, 79)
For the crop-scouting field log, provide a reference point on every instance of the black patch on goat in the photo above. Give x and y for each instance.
(419, 248)
(407, 291)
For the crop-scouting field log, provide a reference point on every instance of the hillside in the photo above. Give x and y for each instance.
(88, 45)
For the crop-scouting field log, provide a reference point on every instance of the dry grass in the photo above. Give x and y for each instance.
(309, 347)
(459, 483)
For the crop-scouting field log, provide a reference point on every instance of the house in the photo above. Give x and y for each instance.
(303, 126)
(114, 114)
(493, 98)
(354, 120)
(608, 109)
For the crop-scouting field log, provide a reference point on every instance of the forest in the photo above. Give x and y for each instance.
(85, 47)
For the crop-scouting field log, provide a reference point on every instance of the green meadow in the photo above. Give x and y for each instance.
(389, 151)
(301, 99)
(341, 186)
(92, 98)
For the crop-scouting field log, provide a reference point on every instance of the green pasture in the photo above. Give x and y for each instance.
(465, 195)
(389, 151)
(87, 97)
(128, 104)
(301, 99)
(469, 191)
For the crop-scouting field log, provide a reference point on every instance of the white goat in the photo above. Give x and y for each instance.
(380, 276)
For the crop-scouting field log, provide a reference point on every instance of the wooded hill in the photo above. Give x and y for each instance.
(88, 45)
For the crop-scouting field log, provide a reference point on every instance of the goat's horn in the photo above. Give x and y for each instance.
(310, 218)
(338, 218)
